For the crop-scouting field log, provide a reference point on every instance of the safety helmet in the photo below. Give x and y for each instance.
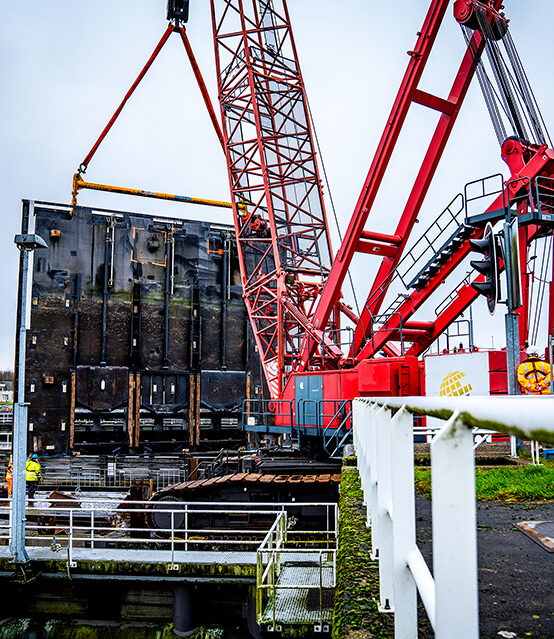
(532, 351)
(35, 456)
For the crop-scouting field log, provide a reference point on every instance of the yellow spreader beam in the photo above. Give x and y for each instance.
(79, 184)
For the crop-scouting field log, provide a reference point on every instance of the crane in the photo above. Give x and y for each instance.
(291, 279)
(316, 352)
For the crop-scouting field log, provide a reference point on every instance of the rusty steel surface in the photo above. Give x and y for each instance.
(540, 531)
(138, 333)
(250, 479)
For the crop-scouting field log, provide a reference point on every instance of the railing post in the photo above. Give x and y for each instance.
(321, 586)
(278, 540)
(360, 438)
(172, 538)
(72, 564)
(10, 514)
(186, 527)
(403, 525)
(273, 582)
(259, 573)
(92, 528)
(375, 422)
(454, 532)
(383, 522)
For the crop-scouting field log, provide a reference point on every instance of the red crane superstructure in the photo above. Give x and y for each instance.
(292, 283)
(281, 226)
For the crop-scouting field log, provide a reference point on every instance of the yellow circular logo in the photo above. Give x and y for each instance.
(454, 385)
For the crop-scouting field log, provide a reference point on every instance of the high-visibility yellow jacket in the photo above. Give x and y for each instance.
(9, 470)
(32, 470)
(533, 376)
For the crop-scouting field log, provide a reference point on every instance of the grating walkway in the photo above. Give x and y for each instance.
(295, 604)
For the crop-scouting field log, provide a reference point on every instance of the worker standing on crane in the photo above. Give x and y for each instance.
(33, 475)
(533, 374)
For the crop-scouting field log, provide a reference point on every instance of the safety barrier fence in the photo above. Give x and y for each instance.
(171, 526)
(480, 436)
(63, 477)
(383, 438)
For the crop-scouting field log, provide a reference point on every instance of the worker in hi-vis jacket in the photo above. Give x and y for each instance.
(533, 374)
(33, 475)
(9, 476)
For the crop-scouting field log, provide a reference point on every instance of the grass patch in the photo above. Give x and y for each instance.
(526, 483)
(357, 591)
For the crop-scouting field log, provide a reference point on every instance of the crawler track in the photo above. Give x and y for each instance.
(253, 487)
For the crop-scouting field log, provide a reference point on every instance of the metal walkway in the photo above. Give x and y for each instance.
(293, 605)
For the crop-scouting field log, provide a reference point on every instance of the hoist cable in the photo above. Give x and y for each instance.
(513, 97)
(530, 100)
(501, 74)
(545, 263)
(492, 100)
(531, 286)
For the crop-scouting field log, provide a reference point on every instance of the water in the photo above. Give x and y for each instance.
(56, 629)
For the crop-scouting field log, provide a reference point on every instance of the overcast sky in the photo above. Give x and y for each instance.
(64, 67)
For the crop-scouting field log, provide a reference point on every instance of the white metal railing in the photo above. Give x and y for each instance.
(67, 524)
(267, 572)
(383, 438)
(273, 553)
(480, 435)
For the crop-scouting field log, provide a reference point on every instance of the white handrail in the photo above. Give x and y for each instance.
(528, 416)
(383, 438)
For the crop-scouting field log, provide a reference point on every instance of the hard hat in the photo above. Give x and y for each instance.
(35, 456)
(532, 351)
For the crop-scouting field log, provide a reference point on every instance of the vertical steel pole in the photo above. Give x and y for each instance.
(25, 243)
(512, 322)
(550, 354)
(20, 429)
(512, 351)
(471, 339)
